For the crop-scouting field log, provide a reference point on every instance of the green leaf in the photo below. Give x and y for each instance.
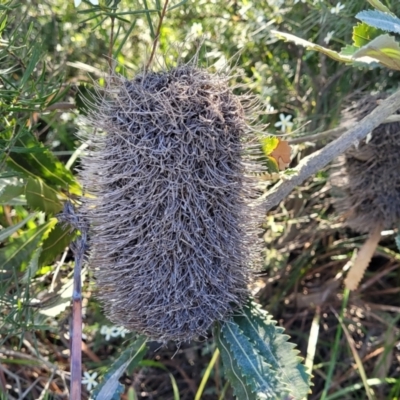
(363, 34)
(41, 197)
(272, 165)
(232, 369)
(18, 253)
(268, 144)
(383, 49)
(348, 50)
(110, 385)
(32, 267)
(33, 60)
(10, 192)
(55, 243)
(270, 341)
(312, 46)
(379, 6)
(42, 164)
(258, 360)
(380, 20)
(7, 232)
(257, 374)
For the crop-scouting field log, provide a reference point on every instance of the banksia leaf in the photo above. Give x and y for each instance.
(41, 197)
(110, 388)
(18, 253)
(270, 341)
(380, 20)
(171, 207)
(42, 165)
(55, 243)
(10, 192)
(258, 360)
(254, 371)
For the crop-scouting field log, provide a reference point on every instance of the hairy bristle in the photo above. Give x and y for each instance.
(369, 178)
(173, 230)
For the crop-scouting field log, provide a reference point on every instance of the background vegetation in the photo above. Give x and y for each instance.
(50, 53)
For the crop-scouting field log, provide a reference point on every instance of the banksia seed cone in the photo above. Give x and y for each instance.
(369, 182)
(370, 179)
(172, 230)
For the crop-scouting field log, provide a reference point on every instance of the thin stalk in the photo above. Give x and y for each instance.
(207, 375)
(157, 35)
(335, 349)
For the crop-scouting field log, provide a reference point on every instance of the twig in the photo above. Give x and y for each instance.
(59, 264)
(111, 45)
(318, 160)
(60, 106)
(155, 42)
(41, 362)
(76, 336)
(79, 248)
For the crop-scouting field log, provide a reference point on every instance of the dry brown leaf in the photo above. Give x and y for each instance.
(281, 154)
(363, 259)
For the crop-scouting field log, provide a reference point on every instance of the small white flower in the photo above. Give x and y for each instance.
(337, 8)
(328, 37)
(270, 109)
(89, 380)
(120, 331)
(108, 331)
(298, 1)
(284, 123)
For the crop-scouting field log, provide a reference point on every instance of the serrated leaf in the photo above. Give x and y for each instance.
(379, 6)
(272, 344)
(42, 164)
(18, 253)
(110, 385)
(32, 267)
(381, 20)
(10, 192)
(383, 49)
(312, 46)
(7, 232)
(255, 370)
(41, 197)
(55, 243)
(232, 369)
(363, 34)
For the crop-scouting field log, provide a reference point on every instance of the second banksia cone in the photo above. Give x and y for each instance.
(173, 231)
(368, 184)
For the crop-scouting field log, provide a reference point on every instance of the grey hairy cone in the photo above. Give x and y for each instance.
(369, 178)
(173, 230)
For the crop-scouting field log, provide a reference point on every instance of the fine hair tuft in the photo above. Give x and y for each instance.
(169, 201)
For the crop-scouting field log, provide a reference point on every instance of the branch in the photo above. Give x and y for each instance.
(315, 162)
(335, 131)
(153, 50)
